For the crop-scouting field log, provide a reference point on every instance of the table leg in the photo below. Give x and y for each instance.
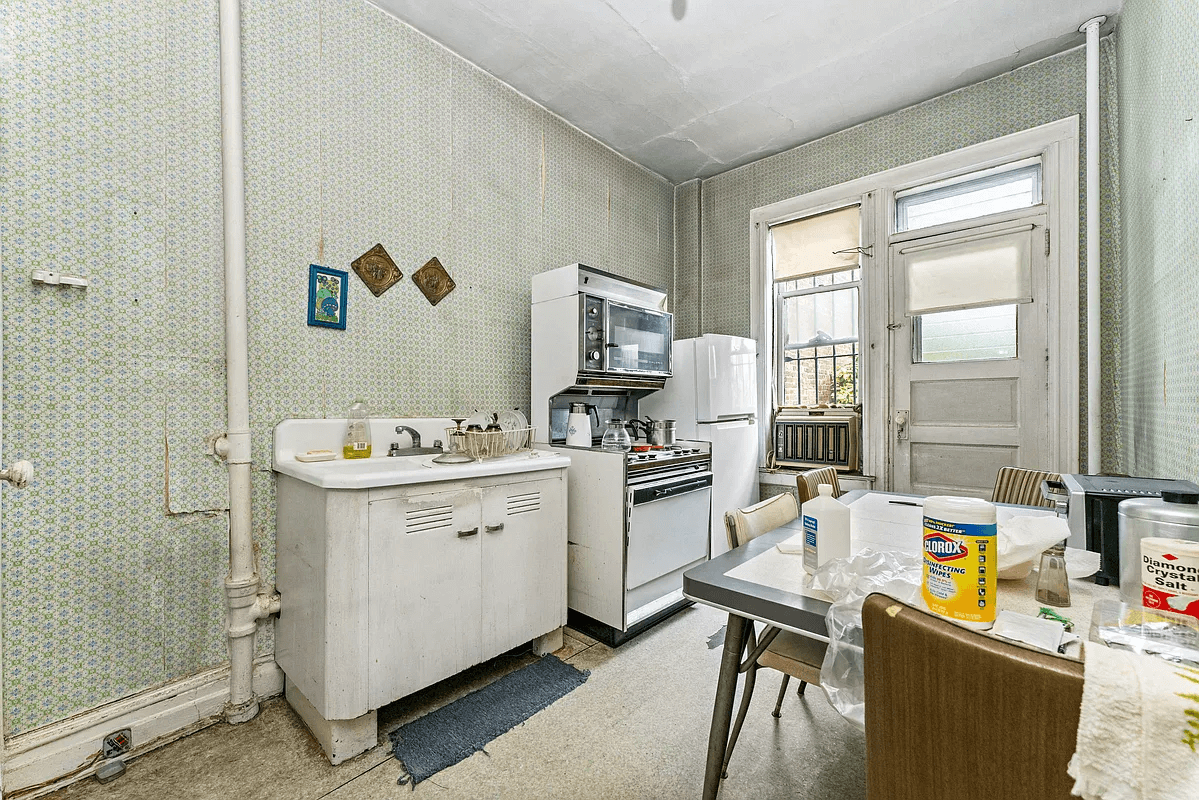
(722, 711)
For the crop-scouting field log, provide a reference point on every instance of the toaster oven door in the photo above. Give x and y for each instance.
(639, 341)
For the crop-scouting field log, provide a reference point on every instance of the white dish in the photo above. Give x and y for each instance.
(512, 420)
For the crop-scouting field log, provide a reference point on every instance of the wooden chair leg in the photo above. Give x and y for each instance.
(778, 707)
(746, 694)
(802, 685)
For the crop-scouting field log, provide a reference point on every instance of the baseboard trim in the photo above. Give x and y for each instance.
(156, 717)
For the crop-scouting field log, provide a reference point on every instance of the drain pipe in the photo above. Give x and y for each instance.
(1094, 367)
(248, 601)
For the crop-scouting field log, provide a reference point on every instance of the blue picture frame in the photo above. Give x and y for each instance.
(327, 297)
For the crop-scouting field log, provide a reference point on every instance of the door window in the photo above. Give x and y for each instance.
(973, 334)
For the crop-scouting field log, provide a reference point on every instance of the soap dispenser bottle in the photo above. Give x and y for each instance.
(357, 443)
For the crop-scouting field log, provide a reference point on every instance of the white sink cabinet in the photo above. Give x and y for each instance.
(388, 589)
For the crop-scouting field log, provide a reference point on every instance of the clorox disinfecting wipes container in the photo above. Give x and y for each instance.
(959, 559)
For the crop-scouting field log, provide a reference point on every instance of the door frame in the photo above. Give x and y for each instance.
(1030, 366)
(1057, 144)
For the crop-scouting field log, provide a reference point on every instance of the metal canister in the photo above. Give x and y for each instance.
(1175, 515)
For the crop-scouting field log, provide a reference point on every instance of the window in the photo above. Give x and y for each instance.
(970, 335)
(989, 191)
(817, 282)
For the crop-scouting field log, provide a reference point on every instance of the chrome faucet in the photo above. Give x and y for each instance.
(415, 436)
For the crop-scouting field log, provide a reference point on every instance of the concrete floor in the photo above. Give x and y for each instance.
(637, 729)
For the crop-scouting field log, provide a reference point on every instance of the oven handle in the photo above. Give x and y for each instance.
(650, 494)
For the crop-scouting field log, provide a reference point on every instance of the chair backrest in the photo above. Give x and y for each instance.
(952, 713)
(807, 482)
(1021, 486)
(744, 524)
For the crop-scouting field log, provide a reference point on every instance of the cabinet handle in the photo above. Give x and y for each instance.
(494, 528)
(468, 532)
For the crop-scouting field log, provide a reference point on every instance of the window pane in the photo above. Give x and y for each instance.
(821, 318)
(821, 375)
(975, 195)
(970, 335)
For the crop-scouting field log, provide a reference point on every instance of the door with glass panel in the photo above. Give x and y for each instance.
(970, 364)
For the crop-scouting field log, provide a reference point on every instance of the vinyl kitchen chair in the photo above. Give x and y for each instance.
(952, 713)
(789, 653)
(1021, 487)
(808, 482)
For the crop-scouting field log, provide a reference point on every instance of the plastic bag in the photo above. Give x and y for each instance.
(1022, 538)
(847, 582)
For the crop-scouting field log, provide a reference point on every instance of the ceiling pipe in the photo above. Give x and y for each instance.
(248, 600)
(1094, 363)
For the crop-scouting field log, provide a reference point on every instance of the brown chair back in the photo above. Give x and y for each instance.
(952, 714)
(741, 525)
(1021, 486)
(808, 482)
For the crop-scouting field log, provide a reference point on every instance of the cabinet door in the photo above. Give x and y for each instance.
(423, 611)
(524, 562)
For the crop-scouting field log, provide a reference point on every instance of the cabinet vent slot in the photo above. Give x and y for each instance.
(524, 503)
(430, 518)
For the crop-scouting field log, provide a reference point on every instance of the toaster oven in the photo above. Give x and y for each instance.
(1090, 506)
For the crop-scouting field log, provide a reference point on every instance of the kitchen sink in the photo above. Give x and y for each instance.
(413, 465)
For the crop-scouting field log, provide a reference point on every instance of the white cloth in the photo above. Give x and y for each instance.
(1138, 732)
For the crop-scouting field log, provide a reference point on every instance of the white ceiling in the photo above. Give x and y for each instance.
(690, 88)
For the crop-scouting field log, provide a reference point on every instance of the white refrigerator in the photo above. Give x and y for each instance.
(713, 397)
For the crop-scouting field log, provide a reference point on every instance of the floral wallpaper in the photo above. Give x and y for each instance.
(1158, 58)
(358, 130)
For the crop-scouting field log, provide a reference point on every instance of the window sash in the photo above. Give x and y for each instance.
(809, 351)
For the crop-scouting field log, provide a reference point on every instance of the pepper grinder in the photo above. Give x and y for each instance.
(1053, 586)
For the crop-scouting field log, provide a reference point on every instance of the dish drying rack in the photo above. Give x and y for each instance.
(491, 444)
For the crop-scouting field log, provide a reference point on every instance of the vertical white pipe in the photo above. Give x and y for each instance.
(1094, 364)
(242, 584)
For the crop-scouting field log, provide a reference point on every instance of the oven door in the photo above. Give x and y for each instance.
(668, 526)
(638, 341)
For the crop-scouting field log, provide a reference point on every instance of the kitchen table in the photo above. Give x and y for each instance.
(757, 582)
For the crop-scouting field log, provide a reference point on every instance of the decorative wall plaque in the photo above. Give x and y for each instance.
(327, 297)
(377, 270)
(434, 281)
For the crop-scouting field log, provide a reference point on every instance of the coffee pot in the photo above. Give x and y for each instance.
(578, 424)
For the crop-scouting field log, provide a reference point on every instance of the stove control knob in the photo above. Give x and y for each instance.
(594, 355)
(594, 334)
(593, 311)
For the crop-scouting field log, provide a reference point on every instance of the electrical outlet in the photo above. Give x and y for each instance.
(117, 743)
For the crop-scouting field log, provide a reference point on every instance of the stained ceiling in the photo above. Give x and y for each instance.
(691, 88)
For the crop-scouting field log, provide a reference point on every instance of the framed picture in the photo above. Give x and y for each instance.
(327, 297)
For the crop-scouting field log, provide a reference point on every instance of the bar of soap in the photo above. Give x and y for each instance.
(316, 455)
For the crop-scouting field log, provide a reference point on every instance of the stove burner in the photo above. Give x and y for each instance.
(664, 454)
